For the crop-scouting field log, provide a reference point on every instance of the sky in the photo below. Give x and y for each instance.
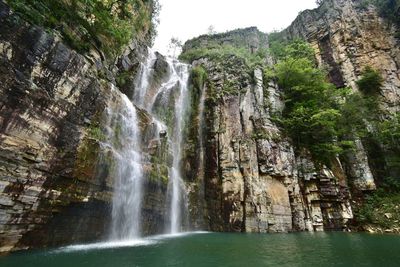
(185, 19)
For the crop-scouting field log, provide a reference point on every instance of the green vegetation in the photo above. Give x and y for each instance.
(123, 77)
(276, 45)
(370, 82)
(97, 133)
(312, 111)
(198, 77)
(108, 25)
(159, 170)
(322, 118)
(297, 49)
(388, 134)
(86, 159)
(221, 52)
(356, 111)
(389, 131)
(381, 208)
(389, 9)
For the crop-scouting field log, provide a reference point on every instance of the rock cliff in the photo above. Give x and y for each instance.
(348, 36)
(242, 173)
(56, 180)
(255, 180)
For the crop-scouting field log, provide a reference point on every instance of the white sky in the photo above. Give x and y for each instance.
(186, 19)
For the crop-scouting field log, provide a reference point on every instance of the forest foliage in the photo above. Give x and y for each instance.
(389, 9)
(219, 52)
(108, 25)
(322, 118)
(312, 114)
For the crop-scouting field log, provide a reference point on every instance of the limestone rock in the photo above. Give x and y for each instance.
(52, 103)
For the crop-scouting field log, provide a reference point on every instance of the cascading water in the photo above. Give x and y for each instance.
(124, 144)
(175, 88)
(181, 73)
(142, 83)
(201, 173)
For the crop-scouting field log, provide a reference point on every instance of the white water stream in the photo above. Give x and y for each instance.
(172, 98)
(127, 172)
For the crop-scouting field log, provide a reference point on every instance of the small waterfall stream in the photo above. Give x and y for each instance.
(201, 172)
(181, 73)
(123, 141)
(167, 105)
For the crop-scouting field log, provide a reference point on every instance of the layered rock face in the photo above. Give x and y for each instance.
(254, 181)
(59, 125)
(56, 182)
(348, 36)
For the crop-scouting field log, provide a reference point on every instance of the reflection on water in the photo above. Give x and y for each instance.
(217, 249)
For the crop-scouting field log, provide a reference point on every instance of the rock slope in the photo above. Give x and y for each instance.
(55, 188)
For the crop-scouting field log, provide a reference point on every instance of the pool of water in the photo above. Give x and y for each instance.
(222, 249)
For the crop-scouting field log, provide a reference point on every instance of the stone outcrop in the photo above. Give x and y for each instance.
(348, 36)
(55, 184)
(241, 173)
(255, 180)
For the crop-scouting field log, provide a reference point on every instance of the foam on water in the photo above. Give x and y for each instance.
(107, 245)
(148, 241)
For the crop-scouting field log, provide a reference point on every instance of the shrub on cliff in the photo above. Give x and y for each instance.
(219, 52)
(389, 9)
(389, 131)
(198, 77)
(370, 82)
(107, 25)
(381, 208)
(311, 115)
(388, 134)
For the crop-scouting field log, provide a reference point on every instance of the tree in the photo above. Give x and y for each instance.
(175, 45)
(371, 81)
(311, 111)
(211, 30)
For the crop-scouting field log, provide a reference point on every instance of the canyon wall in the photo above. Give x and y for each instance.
(255, 180)
(347, 37)
(241, 173)
(56, 180)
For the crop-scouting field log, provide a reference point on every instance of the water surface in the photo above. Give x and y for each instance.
(221, 249)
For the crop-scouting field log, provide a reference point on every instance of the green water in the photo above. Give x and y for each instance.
(212, 249)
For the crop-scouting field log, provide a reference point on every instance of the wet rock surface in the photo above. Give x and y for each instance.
(52, 190)
(241, 173)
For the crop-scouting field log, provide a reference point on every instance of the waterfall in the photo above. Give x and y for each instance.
(143, 81)
(181, 73)
(124, 143)
(167, 104)
(201, 172)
